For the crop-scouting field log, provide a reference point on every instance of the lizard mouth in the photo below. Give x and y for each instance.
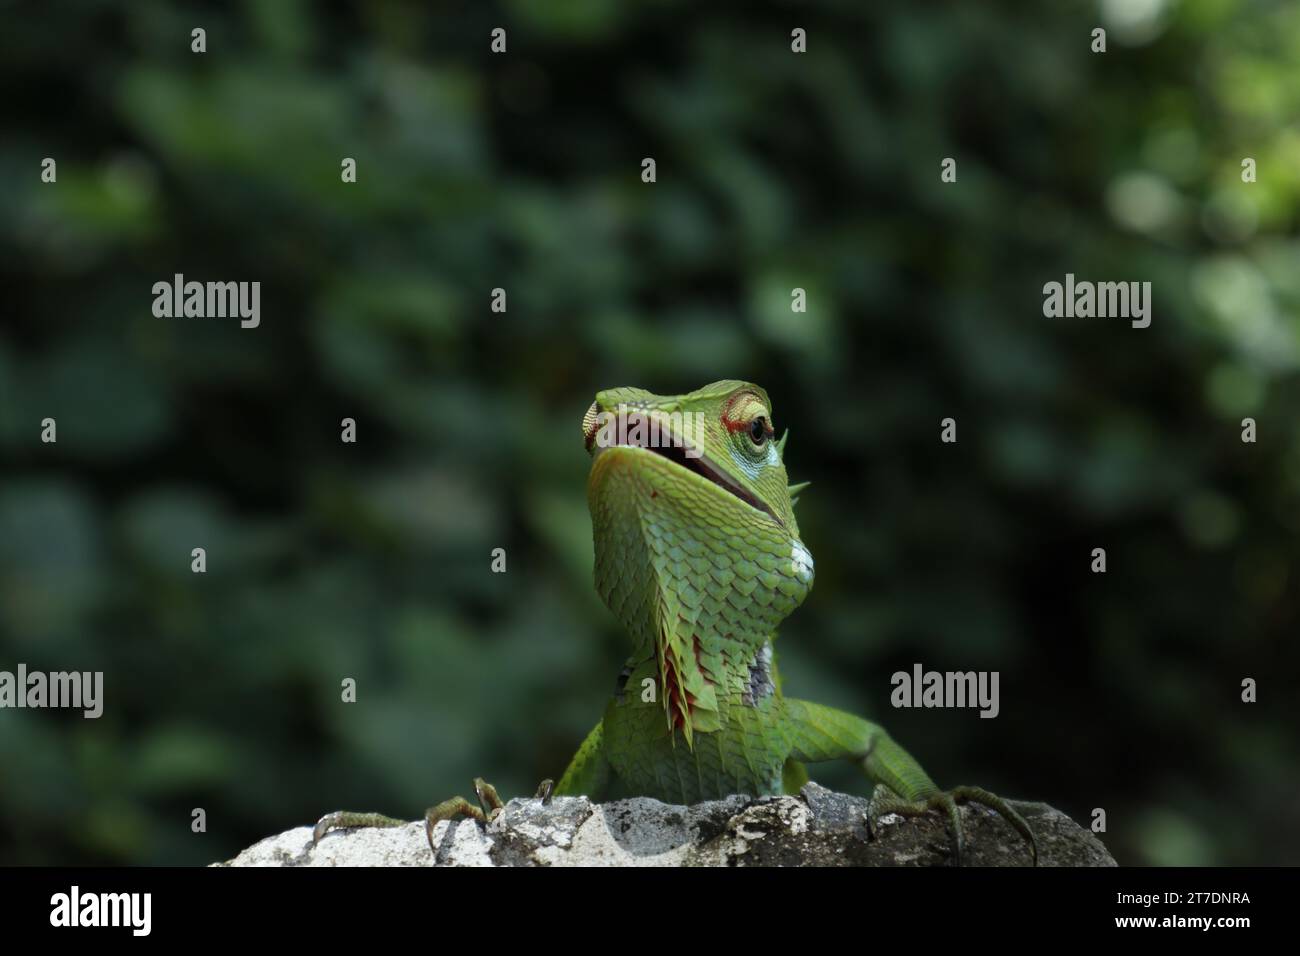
(673, 448)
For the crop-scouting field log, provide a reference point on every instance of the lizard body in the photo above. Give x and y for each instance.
(700, 578)
(698, 556)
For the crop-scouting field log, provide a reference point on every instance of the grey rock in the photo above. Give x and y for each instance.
(816, 828)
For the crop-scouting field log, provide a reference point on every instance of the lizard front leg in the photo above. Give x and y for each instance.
(489, 805)
(824, 733)
(588, 774)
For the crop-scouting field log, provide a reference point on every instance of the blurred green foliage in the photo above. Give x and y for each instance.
(521, 171)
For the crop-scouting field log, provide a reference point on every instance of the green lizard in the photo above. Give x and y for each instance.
(698, 555)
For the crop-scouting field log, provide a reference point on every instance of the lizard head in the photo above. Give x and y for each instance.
(697, 547)
(722, 433)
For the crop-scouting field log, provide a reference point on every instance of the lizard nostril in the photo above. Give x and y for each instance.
(589, 422)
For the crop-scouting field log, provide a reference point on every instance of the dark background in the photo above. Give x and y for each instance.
(522, 171)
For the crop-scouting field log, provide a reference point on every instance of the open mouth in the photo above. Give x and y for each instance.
(673, 448)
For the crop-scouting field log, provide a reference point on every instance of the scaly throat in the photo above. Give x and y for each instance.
(699, 578)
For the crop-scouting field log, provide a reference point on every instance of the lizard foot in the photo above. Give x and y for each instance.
(489, 805)
(885, 801)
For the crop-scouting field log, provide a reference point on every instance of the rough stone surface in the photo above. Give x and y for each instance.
(817, 828)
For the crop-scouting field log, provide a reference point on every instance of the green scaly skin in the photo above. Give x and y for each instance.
(699, 558)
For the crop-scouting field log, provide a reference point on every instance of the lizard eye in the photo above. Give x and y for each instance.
(758, 430)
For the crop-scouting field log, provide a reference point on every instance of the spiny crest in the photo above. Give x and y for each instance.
(792, 490)
(795, 490)
(689, 697)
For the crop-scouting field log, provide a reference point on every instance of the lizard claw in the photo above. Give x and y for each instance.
(959, 795)
(489, 807)
(884, 802)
